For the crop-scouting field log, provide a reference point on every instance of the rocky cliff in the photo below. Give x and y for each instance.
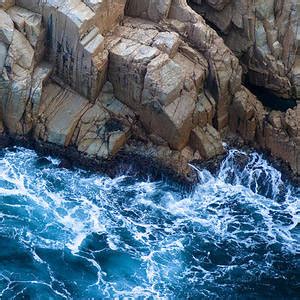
(149, 77)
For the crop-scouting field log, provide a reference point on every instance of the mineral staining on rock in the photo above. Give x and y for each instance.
(149, 77)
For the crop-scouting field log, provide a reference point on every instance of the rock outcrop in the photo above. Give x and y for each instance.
(145, 77)
(262, 34)
(275, 131)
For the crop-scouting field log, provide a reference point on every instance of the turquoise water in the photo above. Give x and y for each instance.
(73, 234)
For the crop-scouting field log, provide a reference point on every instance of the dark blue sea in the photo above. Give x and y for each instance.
(74, 234)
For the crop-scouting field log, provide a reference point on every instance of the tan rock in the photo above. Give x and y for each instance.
(60, 111)
(16, 84)
(20, 52)
(246, 115)
(40, 76)
(6, 28)
(205, 110)
(163, 81)
(262, 34)
(29, 23)
(75, 40)
(5, 4)
(172, 78)
(207, 141)
(173, 122)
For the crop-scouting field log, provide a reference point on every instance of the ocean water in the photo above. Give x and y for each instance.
(74, 234)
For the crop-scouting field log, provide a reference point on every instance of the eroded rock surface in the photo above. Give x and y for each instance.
(146, 77)
(275, 131)
(262, 34)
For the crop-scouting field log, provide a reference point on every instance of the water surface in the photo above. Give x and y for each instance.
(73, 234)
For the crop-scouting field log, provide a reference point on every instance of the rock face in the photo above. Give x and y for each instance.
(147, 77)
(275, 131)
(262, 34)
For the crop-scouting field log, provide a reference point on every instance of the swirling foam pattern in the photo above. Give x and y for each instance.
(72, 234)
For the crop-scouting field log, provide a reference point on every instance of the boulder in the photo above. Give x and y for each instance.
(163, 81)
(207, 141)
(167, 42)
(59, 113)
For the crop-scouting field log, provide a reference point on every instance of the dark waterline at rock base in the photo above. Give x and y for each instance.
(124, 163)
(133, 164)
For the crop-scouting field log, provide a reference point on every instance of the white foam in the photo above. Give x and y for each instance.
(154, 225)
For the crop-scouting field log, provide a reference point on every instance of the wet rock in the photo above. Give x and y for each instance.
(274, 131)
(65, 164)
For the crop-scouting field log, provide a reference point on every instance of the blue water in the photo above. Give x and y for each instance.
(72, 234)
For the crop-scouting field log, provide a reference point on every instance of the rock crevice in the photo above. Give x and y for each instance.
(148, 77)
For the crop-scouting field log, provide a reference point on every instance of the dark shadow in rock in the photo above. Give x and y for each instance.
(269, 100)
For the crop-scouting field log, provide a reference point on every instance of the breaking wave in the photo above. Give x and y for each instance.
(74, 234)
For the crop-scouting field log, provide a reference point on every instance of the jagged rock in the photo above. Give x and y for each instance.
(205, 109)
(75, 41)
(127, 68)
(246, 115)
(167, 42)
(174, 86)
(161, 90)
(108, 13)
(16, 83)
(22, 78)
(6, 27)
(104, 129)
(277, 132)
(67, 119)
(59, 113)
(163, 81)
(40, 77)
(207, 141)
(195, 69)
(262, 34)
(172, 122)
(27, 22)
(224, 76)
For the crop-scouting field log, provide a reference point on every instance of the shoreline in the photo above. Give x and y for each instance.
(142, 166)
(122, 163)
